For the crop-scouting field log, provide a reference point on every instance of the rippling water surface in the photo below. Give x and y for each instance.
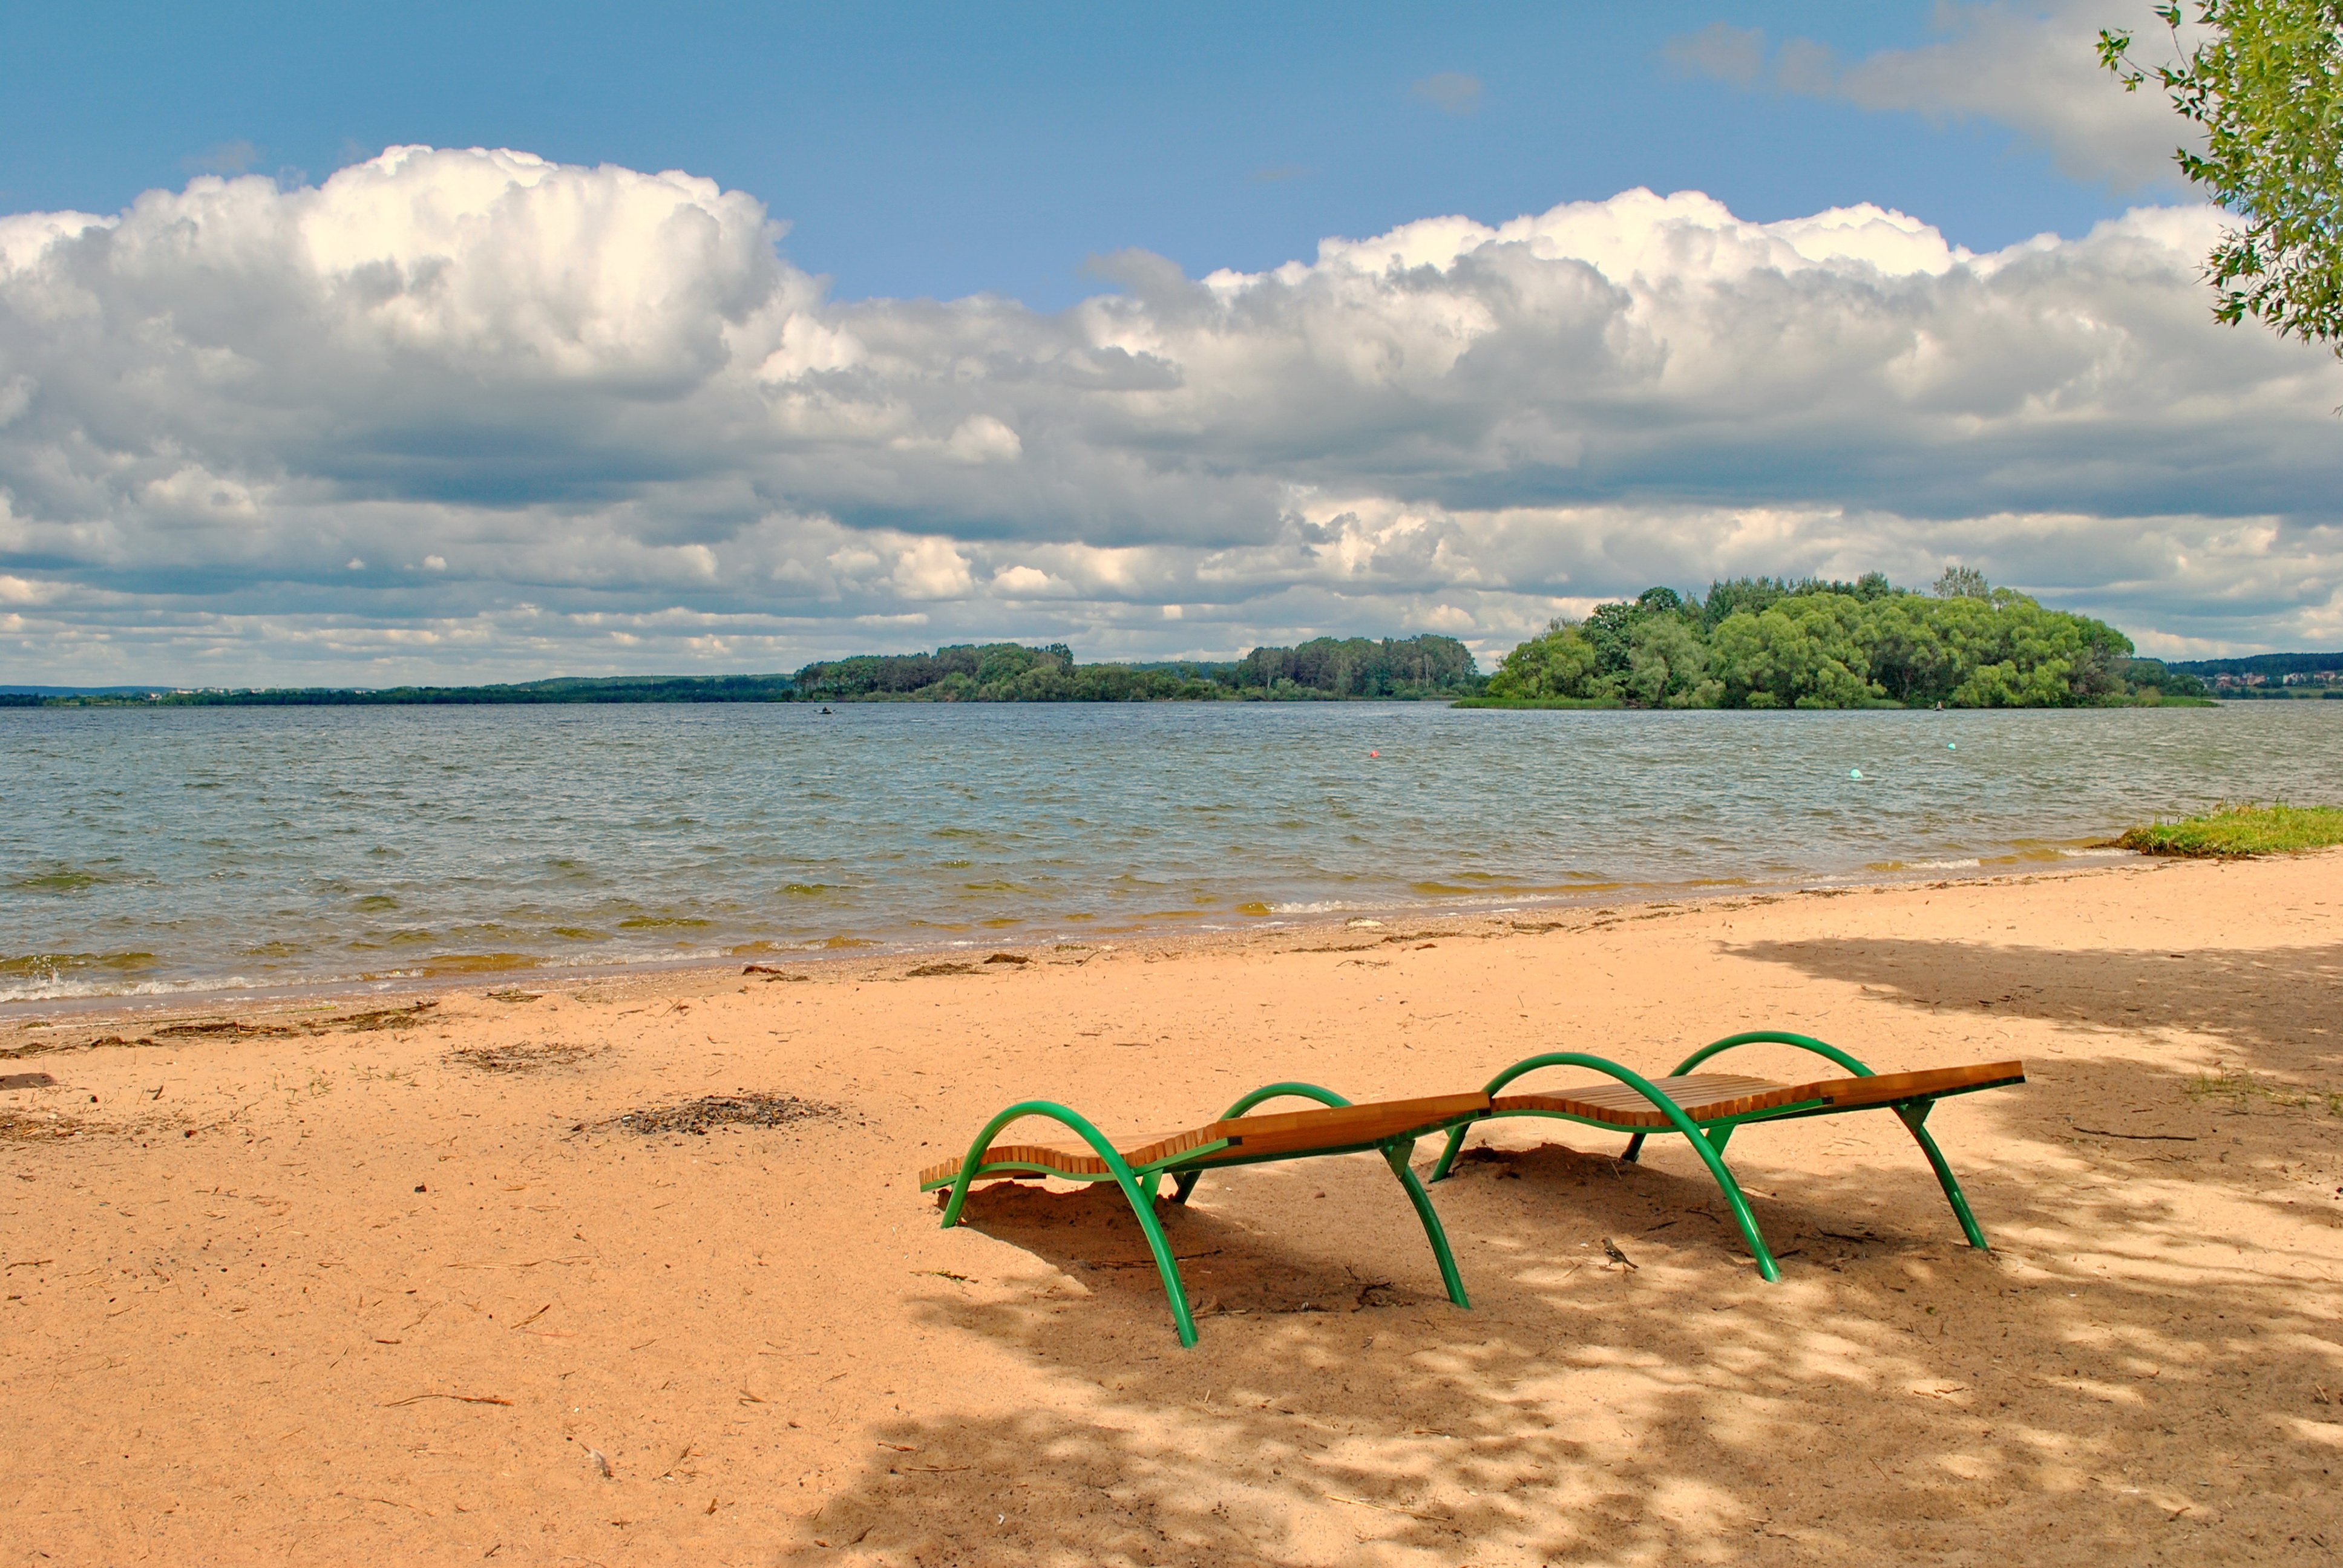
(146, 851)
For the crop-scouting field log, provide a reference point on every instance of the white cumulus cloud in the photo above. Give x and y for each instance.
(617, 430)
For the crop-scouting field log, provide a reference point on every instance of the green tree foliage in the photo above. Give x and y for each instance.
(1764, 642)
(1962, 582)
(2265, 81)
(1326, 668)
(1413, 667)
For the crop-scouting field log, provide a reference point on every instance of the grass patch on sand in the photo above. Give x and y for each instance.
(2227, 830)
(2241, 1090)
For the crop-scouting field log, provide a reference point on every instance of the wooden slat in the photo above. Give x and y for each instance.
(1340, 1127)
(1294, 1133)
(1715, 1096)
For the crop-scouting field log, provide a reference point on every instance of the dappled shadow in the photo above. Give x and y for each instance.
(2104, 1389)
(1230, 1265)
(2149, 1368)
(2281, 1007)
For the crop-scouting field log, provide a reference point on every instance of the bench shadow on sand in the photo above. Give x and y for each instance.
(1899, 1397)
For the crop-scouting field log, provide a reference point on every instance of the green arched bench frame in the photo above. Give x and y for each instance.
(1139, 1183)
(1708, 1137)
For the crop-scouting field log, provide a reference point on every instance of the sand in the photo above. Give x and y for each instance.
(402, 1290)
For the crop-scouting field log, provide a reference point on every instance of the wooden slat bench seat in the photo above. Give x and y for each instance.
(1724, 1096)
(1233, 1141)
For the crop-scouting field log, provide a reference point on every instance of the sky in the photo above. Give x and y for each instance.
(492, 342)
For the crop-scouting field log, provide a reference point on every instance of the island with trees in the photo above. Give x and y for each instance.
(1764, 642)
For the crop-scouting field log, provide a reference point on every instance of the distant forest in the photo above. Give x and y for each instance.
(1764, 642)
(1750, 642)
(567, 688)
(1326, 670)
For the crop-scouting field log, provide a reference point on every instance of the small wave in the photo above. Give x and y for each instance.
(2098, 852)
(61, 990)
(478, 963)
(56, 966)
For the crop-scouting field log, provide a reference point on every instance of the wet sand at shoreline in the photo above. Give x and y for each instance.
(345, 1282)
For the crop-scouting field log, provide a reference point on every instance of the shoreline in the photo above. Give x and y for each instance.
(2074, 858)
(686, 976)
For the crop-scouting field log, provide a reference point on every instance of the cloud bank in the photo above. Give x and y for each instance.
(470, 414)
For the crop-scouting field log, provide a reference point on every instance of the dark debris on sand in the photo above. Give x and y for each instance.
(392, 1017)
(523, 1057)
(697, 1116)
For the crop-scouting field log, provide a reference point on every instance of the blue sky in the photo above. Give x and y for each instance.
(948, 149)
(368, 345)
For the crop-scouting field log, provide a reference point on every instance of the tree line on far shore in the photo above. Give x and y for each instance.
(1766, 642)
(1751, 643)
(1326, 669)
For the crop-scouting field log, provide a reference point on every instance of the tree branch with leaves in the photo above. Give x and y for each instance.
(2264, 79)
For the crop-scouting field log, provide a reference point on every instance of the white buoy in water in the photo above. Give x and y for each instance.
(1855, 772)
(1951, 746)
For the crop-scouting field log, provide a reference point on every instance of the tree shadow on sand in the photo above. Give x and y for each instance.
(2278, 1010)
(1899, 1397)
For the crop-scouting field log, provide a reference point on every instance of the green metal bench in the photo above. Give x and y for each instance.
(1390, 1129)
(1707, 1108)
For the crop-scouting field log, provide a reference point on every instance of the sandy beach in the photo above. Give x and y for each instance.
(381, 1281)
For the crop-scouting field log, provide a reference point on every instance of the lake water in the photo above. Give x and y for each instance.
(146, 853)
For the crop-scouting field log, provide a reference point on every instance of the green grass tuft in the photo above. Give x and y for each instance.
(2240, 830)
(2242, 1088)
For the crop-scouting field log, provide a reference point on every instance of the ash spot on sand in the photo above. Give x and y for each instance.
(697, 1116)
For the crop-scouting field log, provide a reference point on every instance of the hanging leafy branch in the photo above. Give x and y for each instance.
(2265, 81)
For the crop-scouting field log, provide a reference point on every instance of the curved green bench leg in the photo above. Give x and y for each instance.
(1397, 1155)
(1912, 1112)
(1440, 1167)
(1752, 1037)
(1140, 1205)
(1770, 1037)
(1912, 1115)
(1666, 1107)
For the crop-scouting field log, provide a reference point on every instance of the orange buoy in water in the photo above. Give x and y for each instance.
(1374, 754)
